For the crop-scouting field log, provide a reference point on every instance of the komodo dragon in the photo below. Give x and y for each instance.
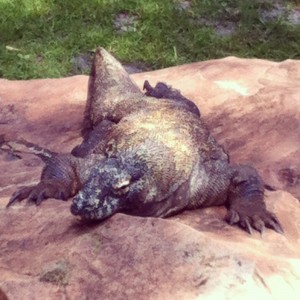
(147, 155)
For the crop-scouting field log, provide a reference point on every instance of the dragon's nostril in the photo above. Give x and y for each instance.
(74, 209)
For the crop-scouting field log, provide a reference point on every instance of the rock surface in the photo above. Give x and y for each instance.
(252, 108)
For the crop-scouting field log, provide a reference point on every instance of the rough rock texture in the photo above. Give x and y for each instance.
(252, 108)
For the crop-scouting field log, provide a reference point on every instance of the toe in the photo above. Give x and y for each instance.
(274, 225)
(259, 225)
(19, 195)
(232, 217)
(247, 226)
(40, 197)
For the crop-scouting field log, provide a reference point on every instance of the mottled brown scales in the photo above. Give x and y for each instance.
(148, 155)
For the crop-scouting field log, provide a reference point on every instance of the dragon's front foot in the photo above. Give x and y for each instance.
(37, 193)
(248, 219)
(246, 202)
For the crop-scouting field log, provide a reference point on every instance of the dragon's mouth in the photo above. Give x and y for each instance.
(84, 214)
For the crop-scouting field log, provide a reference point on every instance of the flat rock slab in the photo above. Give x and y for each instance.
(252, 108)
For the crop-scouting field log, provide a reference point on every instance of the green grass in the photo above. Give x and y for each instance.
(39, 38)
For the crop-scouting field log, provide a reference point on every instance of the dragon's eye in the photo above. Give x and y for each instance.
(121, 187)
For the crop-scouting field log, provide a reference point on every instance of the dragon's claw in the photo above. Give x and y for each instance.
(258, 221)
(38, 193)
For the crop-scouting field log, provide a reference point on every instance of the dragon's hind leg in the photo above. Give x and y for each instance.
(162, 90)
(95, 140)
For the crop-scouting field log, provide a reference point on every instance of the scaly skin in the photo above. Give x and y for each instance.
(147, 155)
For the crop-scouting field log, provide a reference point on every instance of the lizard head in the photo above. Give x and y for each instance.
(108, 189)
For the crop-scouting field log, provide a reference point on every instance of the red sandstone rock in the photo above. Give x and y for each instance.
(250, 105)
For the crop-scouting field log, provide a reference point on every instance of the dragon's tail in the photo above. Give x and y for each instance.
(22, 146)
